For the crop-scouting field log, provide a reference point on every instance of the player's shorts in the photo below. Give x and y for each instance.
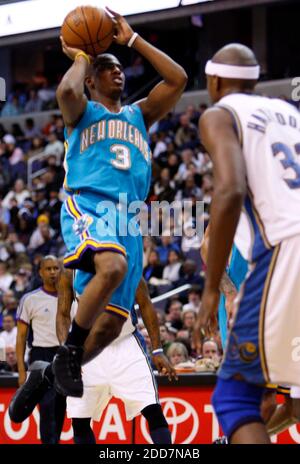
(121, 300)
(122, 370)
(236, 403)
(263, 345)
(89, 227)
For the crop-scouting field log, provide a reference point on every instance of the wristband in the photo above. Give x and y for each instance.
(132, 39)
(84, 56)
(158, 351)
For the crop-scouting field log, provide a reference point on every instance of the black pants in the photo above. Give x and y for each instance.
(53, 405)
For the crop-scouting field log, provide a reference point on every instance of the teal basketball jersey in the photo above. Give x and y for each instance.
(108, 154)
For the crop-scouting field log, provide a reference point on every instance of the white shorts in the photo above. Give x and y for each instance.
(264, 343)
(122, 370)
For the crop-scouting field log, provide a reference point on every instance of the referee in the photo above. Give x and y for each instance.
(38, 310)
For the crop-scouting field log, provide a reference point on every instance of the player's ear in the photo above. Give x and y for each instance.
(89, 82)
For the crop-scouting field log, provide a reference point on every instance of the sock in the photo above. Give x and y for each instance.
(48, 373)
(86, 438)
(83, 433)
(161, 436)
(78, 335)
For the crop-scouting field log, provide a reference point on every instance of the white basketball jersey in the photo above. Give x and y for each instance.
(269, 132)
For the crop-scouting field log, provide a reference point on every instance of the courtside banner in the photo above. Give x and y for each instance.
(187, 409)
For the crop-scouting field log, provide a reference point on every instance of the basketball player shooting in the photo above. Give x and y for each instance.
(253, 142)
(107, 154)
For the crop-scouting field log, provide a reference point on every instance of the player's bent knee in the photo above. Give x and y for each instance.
(236, 403)
(154, 416)
(111, 268)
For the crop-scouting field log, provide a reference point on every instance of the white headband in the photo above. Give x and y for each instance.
(231, 71)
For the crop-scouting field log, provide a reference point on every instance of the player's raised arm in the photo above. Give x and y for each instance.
(70, 92)
(164, 95)
(65, 296)
(221, 142)
(151, 323)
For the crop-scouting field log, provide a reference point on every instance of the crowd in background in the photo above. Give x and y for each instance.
(30, 224)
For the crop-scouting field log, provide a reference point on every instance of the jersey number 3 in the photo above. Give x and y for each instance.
(123, 158)
(288, 161)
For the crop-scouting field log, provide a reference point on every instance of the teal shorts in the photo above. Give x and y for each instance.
(88, 227)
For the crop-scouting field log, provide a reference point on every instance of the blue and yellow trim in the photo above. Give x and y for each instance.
(117, 310)
(279, 389)
(76, 214)
(262, 312)
(91, 244)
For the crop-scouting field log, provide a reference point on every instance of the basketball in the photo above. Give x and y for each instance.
(88, 28)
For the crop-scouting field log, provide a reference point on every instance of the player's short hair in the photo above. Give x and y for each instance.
(103, 61)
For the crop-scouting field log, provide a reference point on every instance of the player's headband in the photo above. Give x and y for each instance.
(231, 71)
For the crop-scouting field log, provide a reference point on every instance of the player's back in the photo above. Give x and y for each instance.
(107, 153)
(269, 132)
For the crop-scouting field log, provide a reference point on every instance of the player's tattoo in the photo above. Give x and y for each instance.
(227, 286)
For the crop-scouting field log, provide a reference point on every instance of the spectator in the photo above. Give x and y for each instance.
(54, 146)
(177, 353)
(11, 107)
(15, 154)
(9, 333)
(34, 102)
(210, 349)
(59, 128)
(190, 239)
(194, 298)
(193, 114)
(187, 157)
(189, 318)
(187, 133)
(148, 246)
(189, 274)
(42, 234)
(160, 145)
(164, 188)
(17, 132)
(40, 198)
(171, 271)
(54, 207)
(174, 314)
(47, 95)
(11, 359)
(19, 193)
(20, 284)
(154, 268)
(4, 219)
(9, 303)
(172, 164)
(167, 245)
(5, 277)
(31, 131)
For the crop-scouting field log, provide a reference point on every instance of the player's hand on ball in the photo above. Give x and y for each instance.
(164, 367)
(123, 32)
(70, 51)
